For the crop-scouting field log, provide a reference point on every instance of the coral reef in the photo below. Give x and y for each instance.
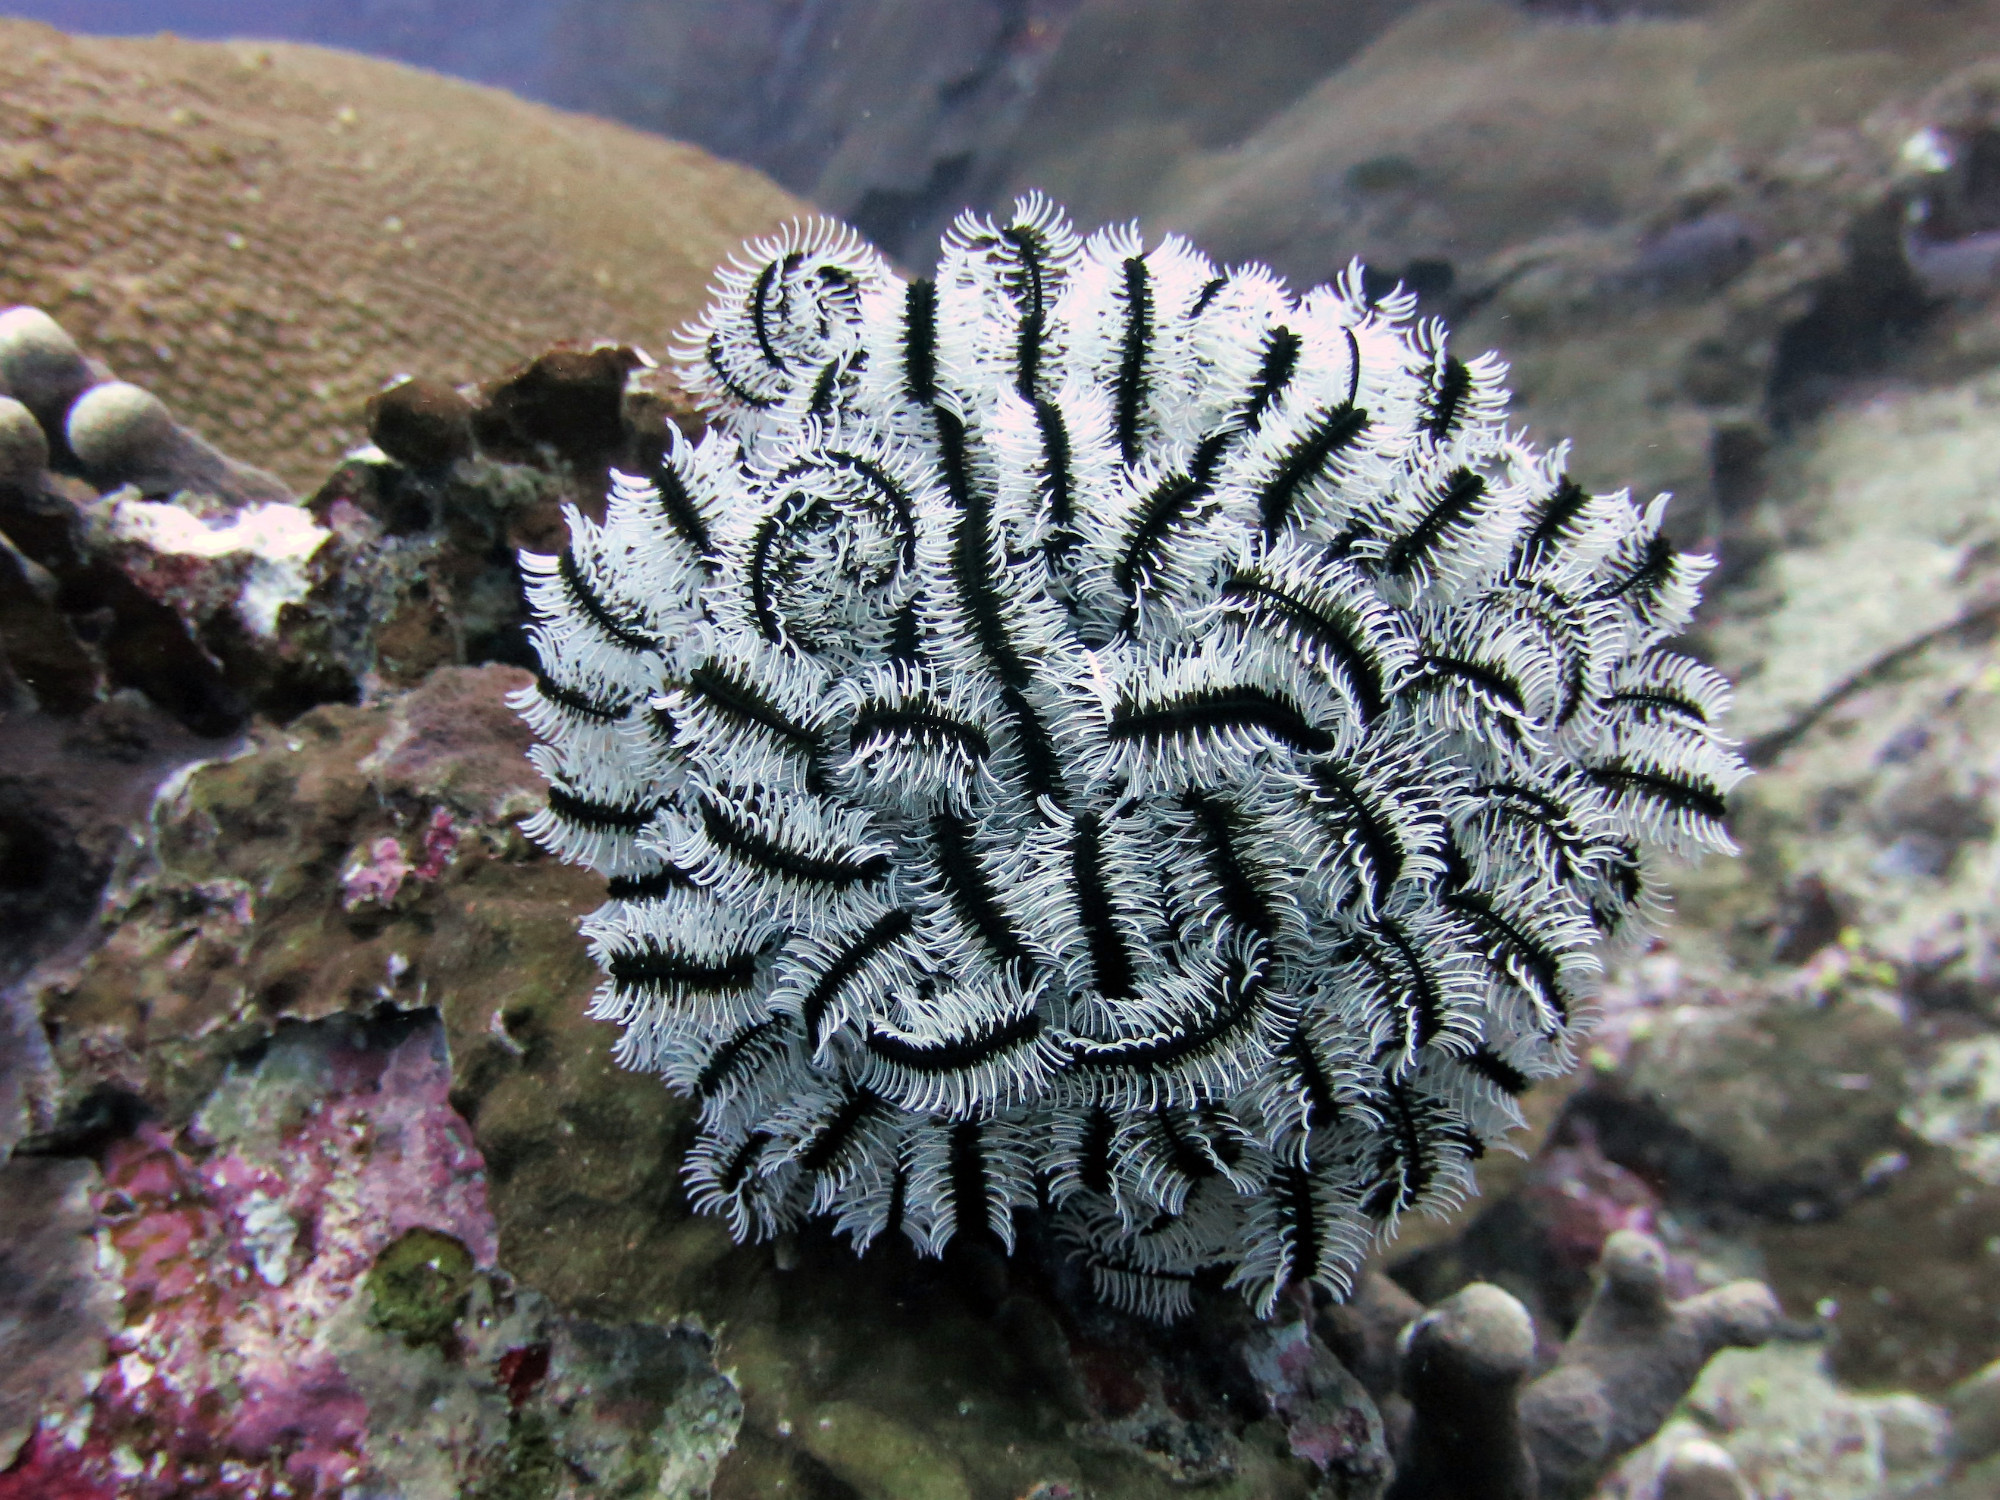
(252, 911)
(1688, 221)
(266, 907)
(427, 519)
(1804, 1063)
(1711, 235)
(1798, 1085)
(234, 918)
(136, 556)
(1480, 1427)
(1769, 1422)
(114, 432)
(1631, 1357)
(1718, 218)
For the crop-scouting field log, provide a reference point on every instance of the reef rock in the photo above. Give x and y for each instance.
(1811, 1060)
(297, 913)
(367, 857)
(71, 792)
(60, 1308)
(1772, 1423)
(164, 565)
(1676, 226)
(310, 1304)
(1680, 219)
(323, 927)
(894, 115)
(266, 891)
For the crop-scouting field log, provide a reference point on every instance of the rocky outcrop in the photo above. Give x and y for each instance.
(155, 593)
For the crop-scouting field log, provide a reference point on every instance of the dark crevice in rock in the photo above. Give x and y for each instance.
(816, 1481)
(1692, 1175)
(1640, 1137)
(88, 1125)
(568, 400)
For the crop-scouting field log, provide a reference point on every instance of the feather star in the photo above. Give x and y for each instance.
(1098, 733)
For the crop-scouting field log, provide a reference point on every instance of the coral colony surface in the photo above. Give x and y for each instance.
(1098, 732)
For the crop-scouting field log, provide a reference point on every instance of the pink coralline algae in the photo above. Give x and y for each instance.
(380, 874)
(1327, 1421)
(311, 1307)
(1580, 1198)
(376, 876)
(240, 1245)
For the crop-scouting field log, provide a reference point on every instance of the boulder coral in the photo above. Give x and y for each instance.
(261, 234)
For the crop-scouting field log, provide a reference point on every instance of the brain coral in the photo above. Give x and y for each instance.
(261, 234)
(1103, 734)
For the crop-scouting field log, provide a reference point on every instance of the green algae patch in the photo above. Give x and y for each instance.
(419, 1284)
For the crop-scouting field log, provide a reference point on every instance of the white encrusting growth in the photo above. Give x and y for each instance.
(1098, 733)
(274, 541)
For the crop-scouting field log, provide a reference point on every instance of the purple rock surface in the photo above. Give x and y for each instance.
(309, 1305)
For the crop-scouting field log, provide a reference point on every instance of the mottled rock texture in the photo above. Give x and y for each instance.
(1809, 1062)
(1785, 1429)
(306, 1301)
(71, 791)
